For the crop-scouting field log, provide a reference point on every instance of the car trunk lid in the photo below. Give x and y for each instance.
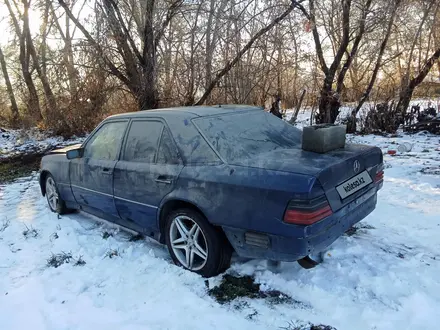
(331, 169)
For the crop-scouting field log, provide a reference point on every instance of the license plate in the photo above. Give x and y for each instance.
(354, 184)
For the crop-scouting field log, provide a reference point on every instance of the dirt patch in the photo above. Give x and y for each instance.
(137, 237)
(309, 326)
(357, 229)
(30, 232)
(106, 235)
(14, 170)
(233, 287)
(56, 260)
(430, 170)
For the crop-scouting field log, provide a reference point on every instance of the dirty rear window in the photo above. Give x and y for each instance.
(244, 135)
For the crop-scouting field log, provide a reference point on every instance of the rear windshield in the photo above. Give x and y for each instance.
(244, 135)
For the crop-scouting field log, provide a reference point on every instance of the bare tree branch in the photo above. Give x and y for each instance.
(113, 69)
(237, 58)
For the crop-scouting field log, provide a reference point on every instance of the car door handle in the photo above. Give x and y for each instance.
(106, 171)
(163, 179)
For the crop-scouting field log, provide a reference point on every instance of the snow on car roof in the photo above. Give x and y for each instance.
(196, 111)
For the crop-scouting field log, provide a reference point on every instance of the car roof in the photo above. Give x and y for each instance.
(190, 111)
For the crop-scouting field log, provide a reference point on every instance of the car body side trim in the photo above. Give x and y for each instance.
(130, 201)
(94, 191)
(120, 198)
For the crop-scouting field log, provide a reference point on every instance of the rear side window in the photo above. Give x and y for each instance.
(143, 141)
(167, 153)
(105, 143)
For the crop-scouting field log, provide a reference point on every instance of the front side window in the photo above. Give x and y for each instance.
(105, 143)
(142, 141)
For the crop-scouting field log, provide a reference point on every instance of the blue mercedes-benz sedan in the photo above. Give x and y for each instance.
(208, 181)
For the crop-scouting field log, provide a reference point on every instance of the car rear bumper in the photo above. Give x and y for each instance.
(316, 238)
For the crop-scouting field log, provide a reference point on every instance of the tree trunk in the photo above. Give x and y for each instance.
(211, 38)
(379, 58)
(50, 98)
(43, 44)
(146, 97)
(329, 102)
(149, 97)
(404, 100)
(10, 90)
(406, 78)
(167, 62)
(33, 104)
(69, 61)
(298, 107)
(191, 90)
(68, 58)
(191, 79)
(407, 92)
(210, 46)
(438, 68)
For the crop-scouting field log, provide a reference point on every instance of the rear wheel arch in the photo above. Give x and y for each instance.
(176, 204)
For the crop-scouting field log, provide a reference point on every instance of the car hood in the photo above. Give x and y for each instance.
(63, 150)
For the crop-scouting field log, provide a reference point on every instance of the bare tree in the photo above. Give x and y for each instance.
(139, 70)
(66, 35)
(33, 105)
(408, 84)
(130, 54)
(408, 90)
(230, 64)
(378, 64)
(10, 90)
(329, 102)
(50, 98)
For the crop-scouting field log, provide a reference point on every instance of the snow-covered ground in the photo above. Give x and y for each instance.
(345, 110)
(385, 276)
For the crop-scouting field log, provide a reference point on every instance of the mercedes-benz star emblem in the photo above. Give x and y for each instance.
(356, 166)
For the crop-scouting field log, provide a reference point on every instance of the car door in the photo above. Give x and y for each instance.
(91, 176)
(147, 171)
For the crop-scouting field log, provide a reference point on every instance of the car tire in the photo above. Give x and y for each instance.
(196, 245)
(54, 200)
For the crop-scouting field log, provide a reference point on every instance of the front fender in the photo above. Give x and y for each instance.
(56, 165)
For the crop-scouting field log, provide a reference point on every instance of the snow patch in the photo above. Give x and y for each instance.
(14, 142)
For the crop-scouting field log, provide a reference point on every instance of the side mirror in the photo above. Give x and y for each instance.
(75, 153)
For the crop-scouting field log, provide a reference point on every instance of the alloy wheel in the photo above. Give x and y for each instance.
(188, 243)
(52, 194)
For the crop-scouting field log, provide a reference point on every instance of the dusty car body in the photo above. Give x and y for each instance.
(208, 181)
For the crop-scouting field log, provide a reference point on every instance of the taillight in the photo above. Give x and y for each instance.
(307, 212)
(379, 173)
(378, 177)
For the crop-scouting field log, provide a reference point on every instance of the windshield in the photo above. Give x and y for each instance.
(244, 135)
